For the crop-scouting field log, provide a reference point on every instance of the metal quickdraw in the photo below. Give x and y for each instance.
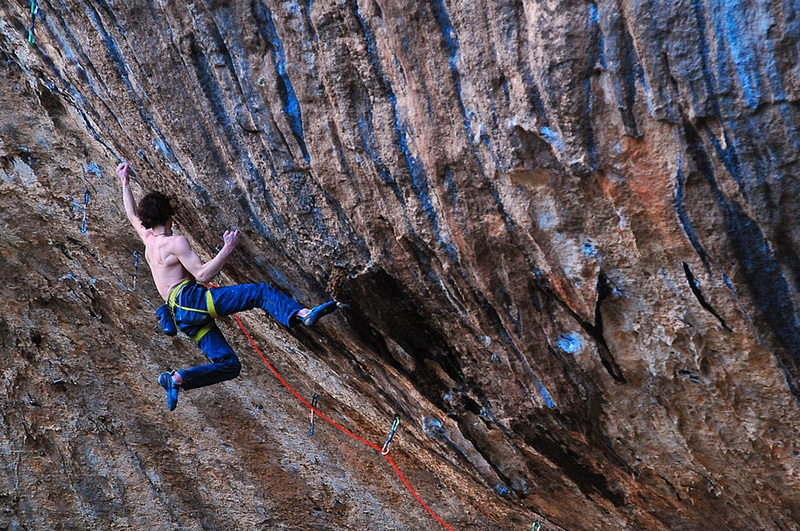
(314, 401)
(136, 256)
(85, 208)
(396, 423)
(34, 12)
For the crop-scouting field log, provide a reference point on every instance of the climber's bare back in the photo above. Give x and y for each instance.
(165, 266)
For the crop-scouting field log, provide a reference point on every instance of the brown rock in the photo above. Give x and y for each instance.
(566, 232)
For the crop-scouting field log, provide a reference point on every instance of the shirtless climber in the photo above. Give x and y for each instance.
(179, 274)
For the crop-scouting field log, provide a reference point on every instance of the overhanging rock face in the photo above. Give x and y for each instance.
(567, 233)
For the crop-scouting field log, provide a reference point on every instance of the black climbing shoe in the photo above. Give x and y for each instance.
(171, 387)
(319, 311)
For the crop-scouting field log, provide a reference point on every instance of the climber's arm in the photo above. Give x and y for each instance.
(127, 199)
(204, 272)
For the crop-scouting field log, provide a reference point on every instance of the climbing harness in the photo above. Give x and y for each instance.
(385, 449)
(176, 293)
(314, 401)
(136, 256)
(34, 12)
(211, 311)
(85, 208)
(340, 427)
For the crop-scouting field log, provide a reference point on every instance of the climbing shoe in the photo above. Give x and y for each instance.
(317, 312)
(171, 387)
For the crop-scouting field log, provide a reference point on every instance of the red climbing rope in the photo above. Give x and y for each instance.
(338, 426)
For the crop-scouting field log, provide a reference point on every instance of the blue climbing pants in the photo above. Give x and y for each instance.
(192, 315)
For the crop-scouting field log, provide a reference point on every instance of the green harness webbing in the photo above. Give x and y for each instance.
(173, 304)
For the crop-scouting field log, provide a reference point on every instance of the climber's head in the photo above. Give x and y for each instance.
(155, 210)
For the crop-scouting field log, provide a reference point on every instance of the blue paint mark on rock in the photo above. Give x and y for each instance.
(589, 250)
(545, 395)
(92, 167)
(569, 342)
(501, 490)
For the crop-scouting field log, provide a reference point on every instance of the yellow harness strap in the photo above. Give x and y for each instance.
(210, 305)
(211, 310)
(173, 295)
(203, 331)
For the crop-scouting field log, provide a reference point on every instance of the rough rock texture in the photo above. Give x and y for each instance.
(566, 230)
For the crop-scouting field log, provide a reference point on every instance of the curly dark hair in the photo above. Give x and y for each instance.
(155, 209)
